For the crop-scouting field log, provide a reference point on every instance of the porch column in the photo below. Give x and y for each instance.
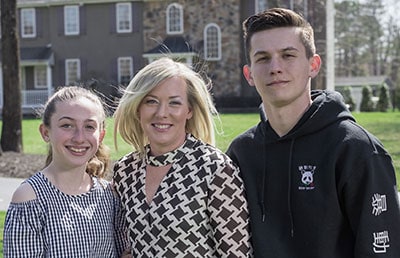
(49, 81)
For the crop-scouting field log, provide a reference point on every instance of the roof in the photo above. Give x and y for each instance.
(362, 81)
(172, 44)
(35, 53)
(32, 55)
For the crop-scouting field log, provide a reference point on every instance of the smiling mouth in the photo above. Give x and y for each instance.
(163, 126)
(77, 150)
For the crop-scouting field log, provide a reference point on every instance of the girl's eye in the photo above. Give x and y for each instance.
(66, 126)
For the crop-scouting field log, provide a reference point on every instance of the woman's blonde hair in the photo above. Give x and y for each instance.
(127, 121)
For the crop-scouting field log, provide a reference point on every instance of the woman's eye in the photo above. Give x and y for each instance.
(151, 101)
(91, 127)
(175, 103)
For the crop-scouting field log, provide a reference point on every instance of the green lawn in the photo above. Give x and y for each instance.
(386, 126)
(2, 217)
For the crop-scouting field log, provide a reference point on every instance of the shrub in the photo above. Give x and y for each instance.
(384, 100)
(348, 98)
(367, 105)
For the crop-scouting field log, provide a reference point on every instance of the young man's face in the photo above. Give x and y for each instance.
(279, 68)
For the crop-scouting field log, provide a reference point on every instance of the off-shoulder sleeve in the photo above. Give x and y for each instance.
(120, 228)
(23, 230)
(229, 213)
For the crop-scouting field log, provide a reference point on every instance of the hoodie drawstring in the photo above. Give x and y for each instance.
(290, 189)
(262, 190)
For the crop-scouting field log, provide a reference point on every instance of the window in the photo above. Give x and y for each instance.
(40, 76)
(124, 17)
(72, 71)
(125, 70)
(71, 20)
(212, 42)
(28, 23)
(261, 5)
(174, 19)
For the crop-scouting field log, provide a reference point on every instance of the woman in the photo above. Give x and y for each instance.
(182, 196)
(67, 209)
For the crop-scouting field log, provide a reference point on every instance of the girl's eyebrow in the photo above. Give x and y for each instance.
(65, 117)
(72, 119)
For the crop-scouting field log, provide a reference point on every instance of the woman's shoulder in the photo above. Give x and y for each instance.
(23, 193)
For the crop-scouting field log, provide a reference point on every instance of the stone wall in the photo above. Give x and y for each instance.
(225, 73)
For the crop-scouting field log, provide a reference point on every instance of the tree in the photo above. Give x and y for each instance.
(11, 132)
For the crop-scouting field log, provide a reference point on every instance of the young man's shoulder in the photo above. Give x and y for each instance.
(249, 135)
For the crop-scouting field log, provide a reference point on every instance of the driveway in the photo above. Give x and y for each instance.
(7, 188)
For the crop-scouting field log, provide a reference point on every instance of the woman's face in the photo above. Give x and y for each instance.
(163, 114)
(75, 132)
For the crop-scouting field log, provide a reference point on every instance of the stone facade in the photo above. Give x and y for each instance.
(225, 73)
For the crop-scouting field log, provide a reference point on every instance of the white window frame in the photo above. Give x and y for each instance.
(174, 16)
(212, 42)
(124, 17)
(40, 75)
(71, 20)
(28, 19)
(125, 68)
(71, 73)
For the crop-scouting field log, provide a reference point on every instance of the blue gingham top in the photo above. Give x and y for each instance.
(61, 225)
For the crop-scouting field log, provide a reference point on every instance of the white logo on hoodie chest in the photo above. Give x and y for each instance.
(307, 177)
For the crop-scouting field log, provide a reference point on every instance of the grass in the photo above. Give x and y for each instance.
(386, 126)
(2, 218)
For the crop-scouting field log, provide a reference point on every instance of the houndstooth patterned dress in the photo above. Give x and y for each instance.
(199, 209)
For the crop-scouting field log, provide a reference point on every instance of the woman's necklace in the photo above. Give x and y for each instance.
(164, 159)
(171, 156)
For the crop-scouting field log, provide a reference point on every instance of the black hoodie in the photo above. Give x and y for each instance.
(326, 189)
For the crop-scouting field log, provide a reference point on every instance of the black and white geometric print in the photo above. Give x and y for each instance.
(199, 209)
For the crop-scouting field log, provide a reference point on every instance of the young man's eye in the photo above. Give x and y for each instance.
(288, 55)
(262, 59)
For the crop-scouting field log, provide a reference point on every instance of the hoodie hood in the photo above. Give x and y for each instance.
(327, 108)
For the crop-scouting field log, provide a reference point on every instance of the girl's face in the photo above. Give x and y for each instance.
(163, 114)
(75, 132)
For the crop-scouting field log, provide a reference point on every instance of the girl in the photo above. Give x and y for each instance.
(67, 209)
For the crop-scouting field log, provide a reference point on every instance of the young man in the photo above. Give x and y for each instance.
(318, 184)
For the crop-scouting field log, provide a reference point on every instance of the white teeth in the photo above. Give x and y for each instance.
(77, 150)
(162, 126)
